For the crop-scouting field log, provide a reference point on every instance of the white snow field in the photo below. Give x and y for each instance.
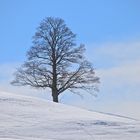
(29, 118)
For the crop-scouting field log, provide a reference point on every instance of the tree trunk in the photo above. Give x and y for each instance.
(55, 98)
(54, 84)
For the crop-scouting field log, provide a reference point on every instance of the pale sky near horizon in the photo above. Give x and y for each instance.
(110, 30)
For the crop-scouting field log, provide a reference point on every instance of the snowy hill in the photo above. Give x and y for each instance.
(28, 118)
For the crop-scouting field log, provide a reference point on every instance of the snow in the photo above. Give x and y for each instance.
(30, 118)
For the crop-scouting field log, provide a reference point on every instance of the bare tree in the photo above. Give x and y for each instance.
(55, 62)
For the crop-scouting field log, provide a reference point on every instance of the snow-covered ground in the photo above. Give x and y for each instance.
(28, 118)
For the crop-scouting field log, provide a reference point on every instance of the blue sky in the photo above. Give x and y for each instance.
(92, 21)
(110, 29)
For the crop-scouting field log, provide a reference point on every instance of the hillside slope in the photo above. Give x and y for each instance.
(28, 118)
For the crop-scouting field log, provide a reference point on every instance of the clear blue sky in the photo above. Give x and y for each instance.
(110, 29)
(91, 20)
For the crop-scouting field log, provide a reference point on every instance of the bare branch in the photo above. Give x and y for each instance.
(54, 61)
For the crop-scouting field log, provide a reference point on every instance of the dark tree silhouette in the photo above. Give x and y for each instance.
(55, 62)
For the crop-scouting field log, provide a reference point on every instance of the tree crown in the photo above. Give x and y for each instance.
(54, 61)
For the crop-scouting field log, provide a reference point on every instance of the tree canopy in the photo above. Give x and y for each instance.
(55, 61)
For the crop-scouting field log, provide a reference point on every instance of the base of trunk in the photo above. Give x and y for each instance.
(55, 99)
